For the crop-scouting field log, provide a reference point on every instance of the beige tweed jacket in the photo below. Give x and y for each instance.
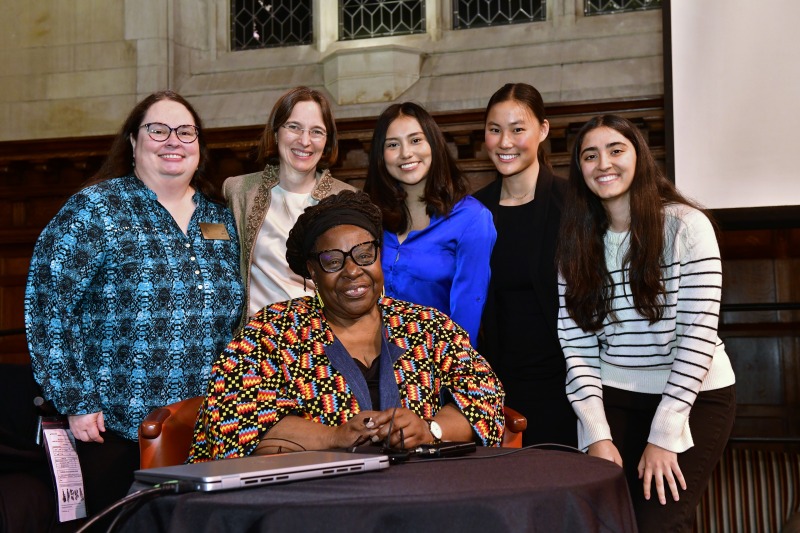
(248, 197)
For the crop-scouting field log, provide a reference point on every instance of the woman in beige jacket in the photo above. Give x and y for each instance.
(298, 145)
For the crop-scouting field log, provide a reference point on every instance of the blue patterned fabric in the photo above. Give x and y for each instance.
(446, 265)
(123, 312)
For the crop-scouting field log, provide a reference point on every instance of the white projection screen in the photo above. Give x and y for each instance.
(735, 96)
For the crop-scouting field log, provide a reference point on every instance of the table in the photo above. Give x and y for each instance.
(529, 490)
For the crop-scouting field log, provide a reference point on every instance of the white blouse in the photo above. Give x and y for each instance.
(271, 279)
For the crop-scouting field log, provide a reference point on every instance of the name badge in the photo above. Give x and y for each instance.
(214, 231)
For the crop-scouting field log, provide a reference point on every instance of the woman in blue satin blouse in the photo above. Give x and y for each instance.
(437, 239)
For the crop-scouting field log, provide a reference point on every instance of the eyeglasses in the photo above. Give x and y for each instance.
(316, 134)
(363, 254)
(160, 132)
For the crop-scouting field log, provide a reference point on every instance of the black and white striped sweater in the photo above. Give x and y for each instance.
(676, 357)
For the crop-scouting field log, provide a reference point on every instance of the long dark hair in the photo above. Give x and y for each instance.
(528, 96)
(584, 222)
(119, 161)
(282, 110)
(444, 185)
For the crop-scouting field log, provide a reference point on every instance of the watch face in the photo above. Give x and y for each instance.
(436, 429)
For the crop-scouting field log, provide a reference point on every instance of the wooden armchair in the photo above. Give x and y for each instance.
(165, 435)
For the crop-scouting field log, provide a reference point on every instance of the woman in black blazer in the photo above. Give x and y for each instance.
(518, 335)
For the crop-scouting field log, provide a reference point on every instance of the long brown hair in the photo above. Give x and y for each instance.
(444, 184)
(584, 222)
(527, 96)
(282, 110)
(119, 161)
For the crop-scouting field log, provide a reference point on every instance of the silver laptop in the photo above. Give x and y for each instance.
(257, 470)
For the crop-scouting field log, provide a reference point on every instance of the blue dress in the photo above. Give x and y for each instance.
(446, 265)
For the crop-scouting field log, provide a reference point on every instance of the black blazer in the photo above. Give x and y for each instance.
(550, 191)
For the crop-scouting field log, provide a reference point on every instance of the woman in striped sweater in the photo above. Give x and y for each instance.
(639, 287)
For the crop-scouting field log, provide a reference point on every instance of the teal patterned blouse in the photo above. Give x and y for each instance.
(124, 312)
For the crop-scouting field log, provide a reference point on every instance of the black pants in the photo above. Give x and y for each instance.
(107, 469)
(711, 419)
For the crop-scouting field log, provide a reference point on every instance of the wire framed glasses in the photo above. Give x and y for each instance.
(316, 134)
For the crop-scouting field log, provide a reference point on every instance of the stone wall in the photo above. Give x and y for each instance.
(74, 68)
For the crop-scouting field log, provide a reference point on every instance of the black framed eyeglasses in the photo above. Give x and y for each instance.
(362, 254)
(159, 132)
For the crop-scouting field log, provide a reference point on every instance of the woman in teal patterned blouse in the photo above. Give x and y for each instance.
(133, 290)
(333, 370)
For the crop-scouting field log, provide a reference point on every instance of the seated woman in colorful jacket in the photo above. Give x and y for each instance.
(347, 366)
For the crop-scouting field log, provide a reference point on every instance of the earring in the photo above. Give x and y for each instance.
(319, 297)
(383, 292)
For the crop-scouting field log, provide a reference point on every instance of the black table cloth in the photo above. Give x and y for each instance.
(489, 491)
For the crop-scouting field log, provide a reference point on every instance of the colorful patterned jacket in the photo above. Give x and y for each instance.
(278, 365)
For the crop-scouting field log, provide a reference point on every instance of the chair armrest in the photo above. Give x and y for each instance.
(515, 422)
(150, 427)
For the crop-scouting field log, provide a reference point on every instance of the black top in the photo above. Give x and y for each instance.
(519, 336)
(519, 311)
(372, 376)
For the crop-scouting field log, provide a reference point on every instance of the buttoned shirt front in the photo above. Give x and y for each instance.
(124, 312)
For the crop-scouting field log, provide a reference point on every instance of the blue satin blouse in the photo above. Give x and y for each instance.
(446, 265)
